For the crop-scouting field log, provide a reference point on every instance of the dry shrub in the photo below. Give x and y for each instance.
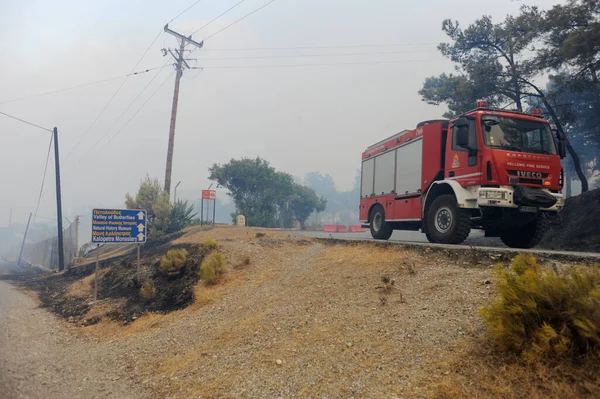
(212, 268)
(148, 291)
(479, 373)
(541, 314)
(246, 260)
(173, 261)
(209, 244)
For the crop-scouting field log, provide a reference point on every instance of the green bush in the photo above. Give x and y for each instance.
(173, 261)
(212, 268)
(148, 291)
(209, 244)
(540, 314)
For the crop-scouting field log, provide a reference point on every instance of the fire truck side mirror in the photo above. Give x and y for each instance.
(562, 151)
(461, 130)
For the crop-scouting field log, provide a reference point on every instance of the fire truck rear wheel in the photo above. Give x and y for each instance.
(446, 222)
(380, 229)
(527, 236)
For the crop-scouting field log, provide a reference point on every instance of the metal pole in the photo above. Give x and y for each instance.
(175, 193)
(61, 254)
(138, 264)
(201, 211)
(214, 202)
(23, 244)
(96, 276)
(10, 218)
(174, 119)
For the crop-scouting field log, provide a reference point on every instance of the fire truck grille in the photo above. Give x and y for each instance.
(521, 177)
(521, 180)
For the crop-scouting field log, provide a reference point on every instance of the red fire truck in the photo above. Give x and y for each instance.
(489, 169)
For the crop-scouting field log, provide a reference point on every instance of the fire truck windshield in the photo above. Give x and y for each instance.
(517, 135)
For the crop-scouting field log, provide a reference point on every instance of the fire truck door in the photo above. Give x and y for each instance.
(462, 163)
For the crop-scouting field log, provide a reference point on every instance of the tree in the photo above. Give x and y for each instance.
(266, 197)
(181, 216)
(571, 35)
(576, 109)
(155, 201)
(459, 92)
(304, 203)
(495, 62)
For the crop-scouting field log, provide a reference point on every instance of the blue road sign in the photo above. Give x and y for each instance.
(119, 226)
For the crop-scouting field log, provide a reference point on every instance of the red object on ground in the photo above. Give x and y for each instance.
(356, 229)
(342, 229)
(330, 228)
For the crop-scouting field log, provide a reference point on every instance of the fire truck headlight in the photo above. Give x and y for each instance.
(493, 195)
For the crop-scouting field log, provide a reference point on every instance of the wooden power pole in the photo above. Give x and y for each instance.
(61, 252)
(181, 63)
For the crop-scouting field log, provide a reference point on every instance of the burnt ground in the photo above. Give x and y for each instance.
(118, 285)
(579, 229)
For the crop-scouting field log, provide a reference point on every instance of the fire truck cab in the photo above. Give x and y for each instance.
(489, 169)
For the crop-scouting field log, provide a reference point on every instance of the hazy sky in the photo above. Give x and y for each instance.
(301, 118)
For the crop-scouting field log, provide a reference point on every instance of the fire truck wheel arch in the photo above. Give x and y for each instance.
(465, 197)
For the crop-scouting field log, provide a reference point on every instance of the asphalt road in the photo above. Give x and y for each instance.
(476, 240)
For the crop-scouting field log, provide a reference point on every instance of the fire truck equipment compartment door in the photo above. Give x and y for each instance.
(366, 183)
(408, 167)
(384, 173)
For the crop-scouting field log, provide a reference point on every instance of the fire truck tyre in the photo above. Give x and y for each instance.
(446, 222)
(380, 230)
(527, 236)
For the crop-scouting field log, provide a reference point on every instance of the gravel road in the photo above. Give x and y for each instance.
(40, 359)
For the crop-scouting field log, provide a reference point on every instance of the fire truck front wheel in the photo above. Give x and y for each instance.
(380, 229)
(446, 222)
(527, 236)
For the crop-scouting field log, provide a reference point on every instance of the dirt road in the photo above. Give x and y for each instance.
(39, 358)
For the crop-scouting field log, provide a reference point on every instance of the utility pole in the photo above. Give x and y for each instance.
(24, 238)
(181, 63)
(10, 218)
(61, 254)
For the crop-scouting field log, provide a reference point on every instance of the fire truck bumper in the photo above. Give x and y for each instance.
(503, 197)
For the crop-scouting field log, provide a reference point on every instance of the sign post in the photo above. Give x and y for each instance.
(138, 265)
(209, 195)
(118, 226)
(96, 273)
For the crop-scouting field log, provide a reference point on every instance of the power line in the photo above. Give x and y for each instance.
(313, 55)
(136, 112)
(24, 121)
(78, 86)
(240, 19)
(319, 47)
(113, 96)
(184, 11)
(125, 80)
(314, 65)
(126, 109)
(217, 17)
(37, 207)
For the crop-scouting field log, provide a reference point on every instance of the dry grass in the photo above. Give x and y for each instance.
(84, 287)
(199, 234)
(101, 308)
(316, 307)
(476, 372)
(366, 257)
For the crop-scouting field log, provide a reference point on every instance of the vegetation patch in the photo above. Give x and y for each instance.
(541, 314)
(172, 263)
(212, 268)
(209, 244)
